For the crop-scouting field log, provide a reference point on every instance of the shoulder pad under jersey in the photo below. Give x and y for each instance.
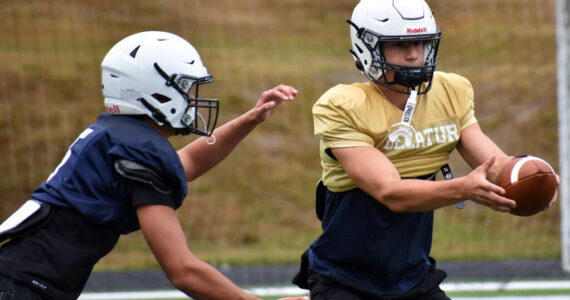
(135, 171)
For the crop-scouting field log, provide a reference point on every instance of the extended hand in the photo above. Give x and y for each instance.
(484, 192)
(270, 99)
(555, 197)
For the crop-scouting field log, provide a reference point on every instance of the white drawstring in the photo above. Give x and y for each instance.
(404, 129)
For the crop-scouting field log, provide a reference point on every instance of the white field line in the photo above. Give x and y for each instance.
(133, 295)
(295, 291)
(505, 286)
(544, 297)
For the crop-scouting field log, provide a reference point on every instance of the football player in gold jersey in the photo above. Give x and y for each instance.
(381, 144)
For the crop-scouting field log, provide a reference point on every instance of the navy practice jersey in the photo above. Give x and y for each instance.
(366, 245)
(91, 205)
(86, 179)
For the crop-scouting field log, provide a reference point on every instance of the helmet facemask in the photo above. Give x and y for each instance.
(201, 114)
(411, 78)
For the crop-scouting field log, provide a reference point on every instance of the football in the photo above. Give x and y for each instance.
(530, 181)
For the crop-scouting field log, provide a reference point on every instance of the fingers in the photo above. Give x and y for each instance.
(498, 200)
(483, 171)
(487, 165)
(503, 204)
(491, 187)
(270, 99)
(555, 197)
(286, 91)
(279, 93)
(495, 201)
(553, 201)
(485, 192)
(493, 197)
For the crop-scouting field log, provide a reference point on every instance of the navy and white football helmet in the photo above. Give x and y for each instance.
(157, 74)
(374, 22)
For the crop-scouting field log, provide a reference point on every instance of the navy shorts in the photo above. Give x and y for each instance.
(326, 288)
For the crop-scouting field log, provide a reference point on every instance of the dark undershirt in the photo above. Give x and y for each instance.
(145, 194)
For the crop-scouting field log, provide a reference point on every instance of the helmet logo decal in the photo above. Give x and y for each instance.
(402, 134)
(406, 137)
(112, 109)
(415, 30)
(404, 131)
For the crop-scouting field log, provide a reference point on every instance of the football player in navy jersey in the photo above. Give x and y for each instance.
(121, 174)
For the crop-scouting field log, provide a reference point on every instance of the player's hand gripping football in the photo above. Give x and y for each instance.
(270, 99)
(482, 191)
(555, 197)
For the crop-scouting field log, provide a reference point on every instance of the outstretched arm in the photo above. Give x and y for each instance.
(204, 153)
(186, 272)
(475, 147)
(373, 172)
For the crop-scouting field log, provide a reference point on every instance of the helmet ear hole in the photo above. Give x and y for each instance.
(359, 66)
(359, 49)
(160, 98)
(133, 53)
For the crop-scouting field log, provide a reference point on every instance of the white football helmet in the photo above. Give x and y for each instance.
(374, 22)
(151, 73)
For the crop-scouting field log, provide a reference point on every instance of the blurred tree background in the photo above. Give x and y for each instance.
(257, 207)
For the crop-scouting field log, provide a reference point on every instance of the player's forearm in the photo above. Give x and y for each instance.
(476, 148)
(375, 174)
(411, 195)
(203, 282)
(203, 154)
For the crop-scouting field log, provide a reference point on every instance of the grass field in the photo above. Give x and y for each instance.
(257, 206)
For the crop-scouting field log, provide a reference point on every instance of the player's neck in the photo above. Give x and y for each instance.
(165, 131)
(396, 98)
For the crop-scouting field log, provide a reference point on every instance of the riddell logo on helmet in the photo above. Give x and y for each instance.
(414, 30)
(113, 109)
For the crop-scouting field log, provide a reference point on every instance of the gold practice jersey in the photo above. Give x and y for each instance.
(359, 115)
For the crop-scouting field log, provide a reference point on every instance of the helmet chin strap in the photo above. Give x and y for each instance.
(410, 77)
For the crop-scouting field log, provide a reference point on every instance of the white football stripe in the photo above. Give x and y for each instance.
(518, 165)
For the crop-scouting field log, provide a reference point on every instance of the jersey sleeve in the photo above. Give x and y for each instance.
(467, 95)
(337, 124)
(145, 194)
